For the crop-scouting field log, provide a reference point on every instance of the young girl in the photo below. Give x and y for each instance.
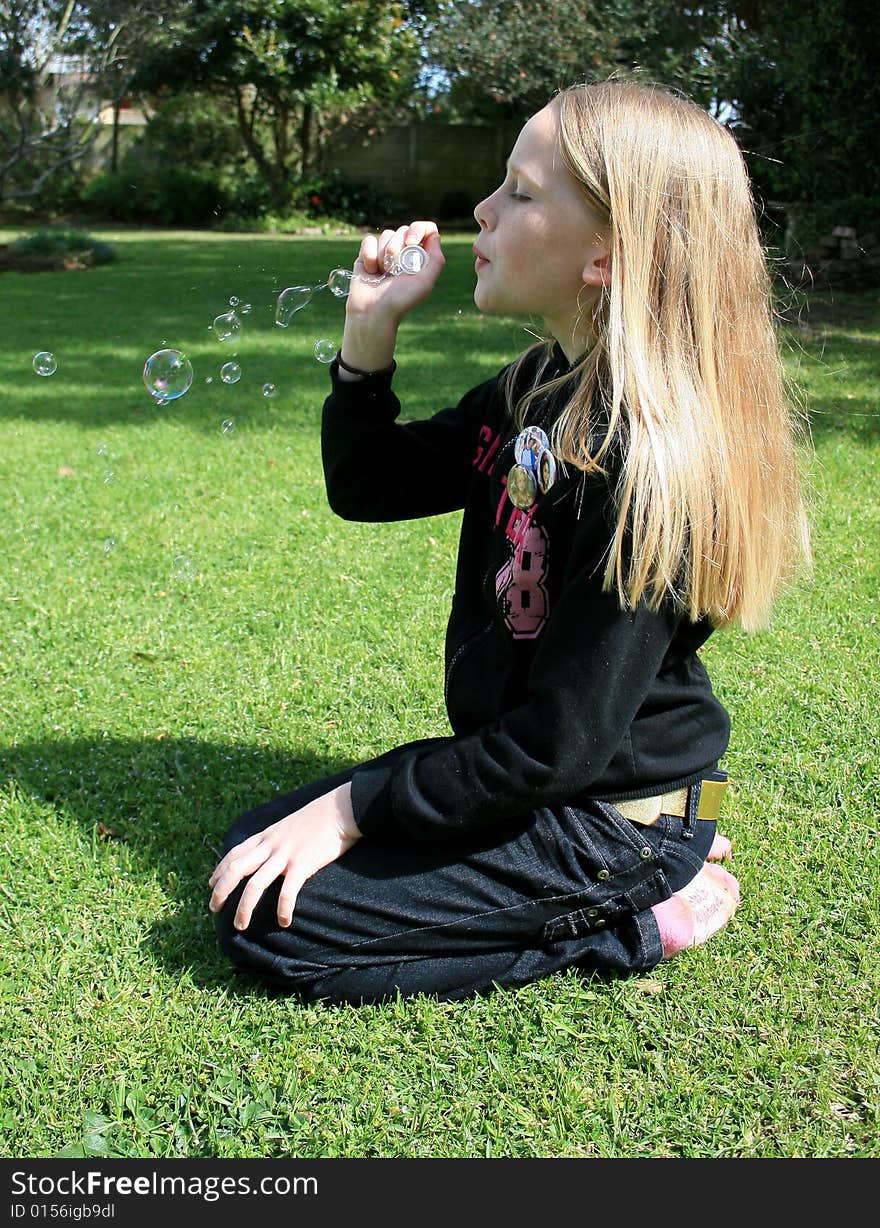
(627, 486)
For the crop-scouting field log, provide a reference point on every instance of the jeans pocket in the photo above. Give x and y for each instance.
(606, 912)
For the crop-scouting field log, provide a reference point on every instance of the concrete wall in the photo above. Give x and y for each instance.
(436, 170)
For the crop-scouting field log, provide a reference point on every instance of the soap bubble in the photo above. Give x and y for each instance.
(227, 426)
(227, 327)
(209, 379)
(168, 374)
(339, 282)
(182, 569)
(290, 301)
(268, 390)
(234, 300)
(325, 349)
(109, 544)
(109, 478)
(246, 309)
(44, 363)
(230, 373)
(103, 449)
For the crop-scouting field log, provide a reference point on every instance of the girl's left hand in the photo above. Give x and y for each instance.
(295, 847)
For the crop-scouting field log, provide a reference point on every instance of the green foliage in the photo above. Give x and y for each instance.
(336, 195)
(177, 196)
(288, 72)
(504, 59)
(803, 82)
(61, 248)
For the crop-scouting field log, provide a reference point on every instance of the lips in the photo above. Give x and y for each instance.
(481, 260)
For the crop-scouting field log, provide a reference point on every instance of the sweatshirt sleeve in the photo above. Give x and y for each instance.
(377, 469)
(588, 678)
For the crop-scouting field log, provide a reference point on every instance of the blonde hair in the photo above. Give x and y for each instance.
(684, 358)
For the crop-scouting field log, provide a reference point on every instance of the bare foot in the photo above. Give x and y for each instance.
(700, 909)
(720, 850)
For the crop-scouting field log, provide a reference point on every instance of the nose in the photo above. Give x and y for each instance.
(483, 212)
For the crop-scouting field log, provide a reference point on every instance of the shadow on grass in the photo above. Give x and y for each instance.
(169, 803)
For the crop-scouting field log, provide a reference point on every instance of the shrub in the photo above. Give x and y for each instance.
(149, 196)
(57, 248)
(336, 196)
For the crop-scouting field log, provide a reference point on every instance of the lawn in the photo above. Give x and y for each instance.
(187, 630)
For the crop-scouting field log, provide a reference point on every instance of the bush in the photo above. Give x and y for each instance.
(151, 197)
(57, 248)
(336, 196)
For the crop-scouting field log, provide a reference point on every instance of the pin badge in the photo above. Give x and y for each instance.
(546, 470)
(528, 447)
(522, 489)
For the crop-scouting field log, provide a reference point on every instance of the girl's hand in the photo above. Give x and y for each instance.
(294, 848)
(392, 298)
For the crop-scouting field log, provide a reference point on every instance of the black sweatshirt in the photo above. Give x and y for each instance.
(554, 693)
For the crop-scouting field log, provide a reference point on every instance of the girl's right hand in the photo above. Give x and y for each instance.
(389, 300)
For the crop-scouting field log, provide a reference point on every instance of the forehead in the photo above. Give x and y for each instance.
(537, 146)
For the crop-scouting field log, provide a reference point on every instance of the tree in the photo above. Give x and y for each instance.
(290, 70)
(803, 83)
(505, 58)
(61, 61)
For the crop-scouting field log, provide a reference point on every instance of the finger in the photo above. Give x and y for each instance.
(287, 899)
(433, 247)
(253, 892)
(235, 866)
(391, 249)
(238, 850)
(369, 251)
(418, 232)
(373, 257)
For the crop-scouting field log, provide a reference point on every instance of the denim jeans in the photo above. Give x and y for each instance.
(559, 887)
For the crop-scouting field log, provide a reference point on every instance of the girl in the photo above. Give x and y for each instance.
(627, 486)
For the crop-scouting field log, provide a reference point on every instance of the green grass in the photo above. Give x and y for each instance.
(144, 704)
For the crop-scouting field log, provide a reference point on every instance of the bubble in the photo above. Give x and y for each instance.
(289, 302)
(230, 373)
(325, 349)
(109, 544)
(234, 300)
(246, 309)
(209, 379)
(109, 478)
(227, 327)
(168, 374)
(227, 426)
(182, 569)
(44, 363)
(268, 390)
(339, 282)
(103, 449)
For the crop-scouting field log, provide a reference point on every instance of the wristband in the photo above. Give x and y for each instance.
(358, 371)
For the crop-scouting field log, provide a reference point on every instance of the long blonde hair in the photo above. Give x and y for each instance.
(684, 355)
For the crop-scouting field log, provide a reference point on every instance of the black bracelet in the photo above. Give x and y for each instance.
(357, 370)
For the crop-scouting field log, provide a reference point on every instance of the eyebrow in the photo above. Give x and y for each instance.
(518, 170)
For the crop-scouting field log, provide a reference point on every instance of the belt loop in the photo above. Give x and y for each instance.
(691, 812)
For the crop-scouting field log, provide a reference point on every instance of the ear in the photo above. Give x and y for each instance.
(597, 271)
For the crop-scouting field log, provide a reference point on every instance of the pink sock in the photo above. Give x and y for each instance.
(700, 909)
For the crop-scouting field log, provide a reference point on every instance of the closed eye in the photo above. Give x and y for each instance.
(519, 196)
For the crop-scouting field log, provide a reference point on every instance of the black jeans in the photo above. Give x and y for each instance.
(561, 887)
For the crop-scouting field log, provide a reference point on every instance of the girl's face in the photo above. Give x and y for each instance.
(541, 250)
